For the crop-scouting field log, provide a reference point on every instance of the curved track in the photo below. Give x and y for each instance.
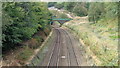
(64, 50)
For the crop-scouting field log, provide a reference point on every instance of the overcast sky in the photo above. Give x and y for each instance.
(60, 0)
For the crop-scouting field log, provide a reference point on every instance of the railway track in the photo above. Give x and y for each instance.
(63, 51)
(73, 61)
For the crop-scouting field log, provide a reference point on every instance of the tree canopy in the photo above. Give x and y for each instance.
(21, 20)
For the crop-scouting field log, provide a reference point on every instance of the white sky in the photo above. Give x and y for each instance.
(60, 0)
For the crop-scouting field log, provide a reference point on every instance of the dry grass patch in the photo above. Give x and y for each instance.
(99, 39)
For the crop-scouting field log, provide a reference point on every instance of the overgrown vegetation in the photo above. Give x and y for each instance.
(100, 34)
(59, 5)
(79, 8)
(51, 4)
(25, 54)
(104, 10)
(21, 20)
(58, 14)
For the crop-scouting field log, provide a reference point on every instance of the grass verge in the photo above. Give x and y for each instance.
(99, 41)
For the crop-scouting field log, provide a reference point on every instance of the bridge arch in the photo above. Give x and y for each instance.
(60, 20)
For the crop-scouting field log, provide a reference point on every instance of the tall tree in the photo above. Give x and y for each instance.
(21, 20)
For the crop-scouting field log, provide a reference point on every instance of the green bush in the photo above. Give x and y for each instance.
(25, 54)
(59, 5)
(50, 4)
(39, 39)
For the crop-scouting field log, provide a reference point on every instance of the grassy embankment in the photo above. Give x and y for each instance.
(101, 39)
(32, 46)
(21, 55)
(38, 57)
